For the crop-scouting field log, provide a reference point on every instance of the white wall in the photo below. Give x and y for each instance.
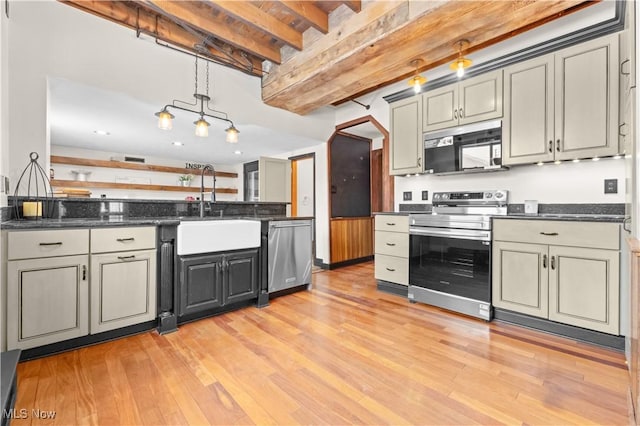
(100, 174)
(49, 38)
(4, 100)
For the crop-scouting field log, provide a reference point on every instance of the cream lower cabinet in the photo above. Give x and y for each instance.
(392, 248)
(560, 281)
(123, 283)
(47, 287)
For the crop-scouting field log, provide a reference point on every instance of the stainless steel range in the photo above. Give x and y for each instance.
(450, 251)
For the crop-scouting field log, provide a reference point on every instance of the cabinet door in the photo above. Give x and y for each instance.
(47, 300)
(241, 276)
(200, 283)
(520, 279)
(480, 98)
(123, 289)
(406, 136)
(586, 100)
(528, 126)
(584, 288)
(274, 179)
(440, 108)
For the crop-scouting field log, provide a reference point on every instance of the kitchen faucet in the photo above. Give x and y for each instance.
(213, 191)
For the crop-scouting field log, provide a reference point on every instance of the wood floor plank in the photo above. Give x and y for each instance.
(340, 353)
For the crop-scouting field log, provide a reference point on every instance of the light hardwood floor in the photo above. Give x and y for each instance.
(342, 353)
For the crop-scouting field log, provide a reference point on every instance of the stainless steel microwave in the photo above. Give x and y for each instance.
(474, 147)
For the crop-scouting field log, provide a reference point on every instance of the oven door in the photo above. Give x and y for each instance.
(452, 261)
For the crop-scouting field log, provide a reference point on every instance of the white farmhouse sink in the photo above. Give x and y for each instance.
(217, 235)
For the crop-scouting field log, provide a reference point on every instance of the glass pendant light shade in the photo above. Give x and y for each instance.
(461, 62)
(232, 134)
(416, 82)
(202, 128)
(165, 119)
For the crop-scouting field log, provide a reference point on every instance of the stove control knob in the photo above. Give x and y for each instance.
(445, 196)
(488, 195)
(500, 195)
(436, 196)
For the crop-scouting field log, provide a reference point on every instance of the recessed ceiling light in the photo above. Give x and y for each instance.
(617, 157)
(576, 160)
(557, 162)
(595, 159)
(101, 132)
(177, 143)
(237, 152)
(539, 163)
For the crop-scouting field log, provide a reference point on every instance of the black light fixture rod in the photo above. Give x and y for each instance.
(197, 112)
(361, 104)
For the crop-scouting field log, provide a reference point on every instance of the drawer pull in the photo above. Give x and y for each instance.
(390, 269)
(553, 262)
(126, 257)
(391, 224)
(549, 234)
(59, 243)
(122, 240)
(391, 244)
(544, 261)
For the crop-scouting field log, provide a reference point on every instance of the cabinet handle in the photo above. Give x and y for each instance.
(620, 129)
(391, 244)
(622, 64)
(126, 257)
(419, 162)
(390, 269)
(461, 113)
(558, 145)
(391, 224)
(550, 146)
(59, 243)
(549, 234)
(84, 272)
(544, 261)
(122, 240)
(553, 262)
(625, 222)
(455, 114)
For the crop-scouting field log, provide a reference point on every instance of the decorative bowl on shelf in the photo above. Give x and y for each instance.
(81, 175)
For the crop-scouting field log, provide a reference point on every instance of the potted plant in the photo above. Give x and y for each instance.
(185, 180)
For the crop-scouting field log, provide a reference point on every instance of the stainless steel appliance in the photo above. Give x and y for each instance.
(289, 254)
(450, 251)
(474, 147)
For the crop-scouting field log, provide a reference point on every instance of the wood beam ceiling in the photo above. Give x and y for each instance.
(307, 11)
(375, 46)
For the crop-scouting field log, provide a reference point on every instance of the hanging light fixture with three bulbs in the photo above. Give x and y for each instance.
(202, 100)
(461, 62)
(417, 80)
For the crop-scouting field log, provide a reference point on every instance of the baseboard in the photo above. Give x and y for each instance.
(393, 288)
(350, 262)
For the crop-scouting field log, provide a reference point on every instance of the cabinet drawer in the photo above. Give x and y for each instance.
(395, 223)
(122, 239)
(578, 234)
(391, 268)
(392, 243)
(35, 244)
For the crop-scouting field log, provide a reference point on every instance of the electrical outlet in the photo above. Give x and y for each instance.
(425, 195)
(611, 186)
(406, 196)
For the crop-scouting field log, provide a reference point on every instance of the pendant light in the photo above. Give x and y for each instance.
(202, 102)
(461, 62)
(417, 80)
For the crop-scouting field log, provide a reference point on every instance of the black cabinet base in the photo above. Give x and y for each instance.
(564, 330)
(167, 323)
(393, 288)
(91, 339)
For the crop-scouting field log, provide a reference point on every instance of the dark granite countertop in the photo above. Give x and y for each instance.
(116, 220)
(576, 217)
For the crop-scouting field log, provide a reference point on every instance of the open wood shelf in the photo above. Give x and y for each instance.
(57, 159)
(113, 185)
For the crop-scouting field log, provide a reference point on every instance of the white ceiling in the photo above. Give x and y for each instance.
(77, 110)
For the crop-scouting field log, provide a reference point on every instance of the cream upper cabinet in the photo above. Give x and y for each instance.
(528, 126)
(563, 271)
(586, 100)
(469, 101)
(406, 136)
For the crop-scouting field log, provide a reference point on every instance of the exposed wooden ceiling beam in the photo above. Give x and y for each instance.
(137, 18)
(355, 5)
(369, 48)
(198, 16)
(310, 13)
(251, 15)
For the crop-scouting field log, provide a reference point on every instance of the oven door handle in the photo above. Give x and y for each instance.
(460, 234)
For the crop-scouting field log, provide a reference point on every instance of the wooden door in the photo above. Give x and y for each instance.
(123, 289)
(520, 279)
(528, 125)
(406, 136)
(440, 108)
(586, 100)
(47, 300)
(303, 186)
(584, 288)
(480, 98)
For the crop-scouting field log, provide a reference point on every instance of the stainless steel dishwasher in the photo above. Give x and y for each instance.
(289, 254)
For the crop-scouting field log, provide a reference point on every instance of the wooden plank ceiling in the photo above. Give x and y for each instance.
(311, 54)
